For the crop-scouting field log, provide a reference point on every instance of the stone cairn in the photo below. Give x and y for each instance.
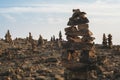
(31, 41)
(110, 41)
(107, 42)
(8, 38)
(30, 38)
(104, 42)
(79, 47)
(60, 36)
(40, 41)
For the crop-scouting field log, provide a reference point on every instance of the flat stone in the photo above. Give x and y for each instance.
(83, 26)
(83, 32)
(28, 78)
(51, 60)
(40, 78)
(77, 46)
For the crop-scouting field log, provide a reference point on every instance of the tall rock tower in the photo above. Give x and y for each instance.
(8, 38)
(104, 42)
(79, 47)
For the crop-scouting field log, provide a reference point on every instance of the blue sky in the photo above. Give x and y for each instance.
(48, 17)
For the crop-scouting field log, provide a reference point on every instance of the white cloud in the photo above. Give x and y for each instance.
(9, 17)
(108, 1)
(52, 20)
(97, 8)
(32, 9)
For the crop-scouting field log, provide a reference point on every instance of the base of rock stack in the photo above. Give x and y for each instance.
(69, 75)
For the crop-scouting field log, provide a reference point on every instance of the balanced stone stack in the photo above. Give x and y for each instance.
(78, 34)
(79, 39)
(8, 38)
(109, 40)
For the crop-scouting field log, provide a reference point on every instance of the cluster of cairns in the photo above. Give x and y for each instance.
(30, 59)
(78, 58)
(32, 42)
(107, 42)
(29, 39)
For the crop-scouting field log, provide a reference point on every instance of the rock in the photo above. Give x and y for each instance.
(77, 46)
(83, 26)
(28, 78)
(6, 73)
(82, 32)
(51, 60)
(71, 29)
(73, 39)
(18, 77)
(40, 78)
(58, 77)
(8, 78)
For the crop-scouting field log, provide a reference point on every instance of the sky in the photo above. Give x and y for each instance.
(48, 17)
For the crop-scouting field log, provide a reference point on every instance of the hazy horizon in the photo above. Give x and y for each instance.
(48, 17)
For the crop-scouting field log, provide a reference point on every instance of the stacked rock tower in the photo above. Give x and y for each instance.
(80, 53)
